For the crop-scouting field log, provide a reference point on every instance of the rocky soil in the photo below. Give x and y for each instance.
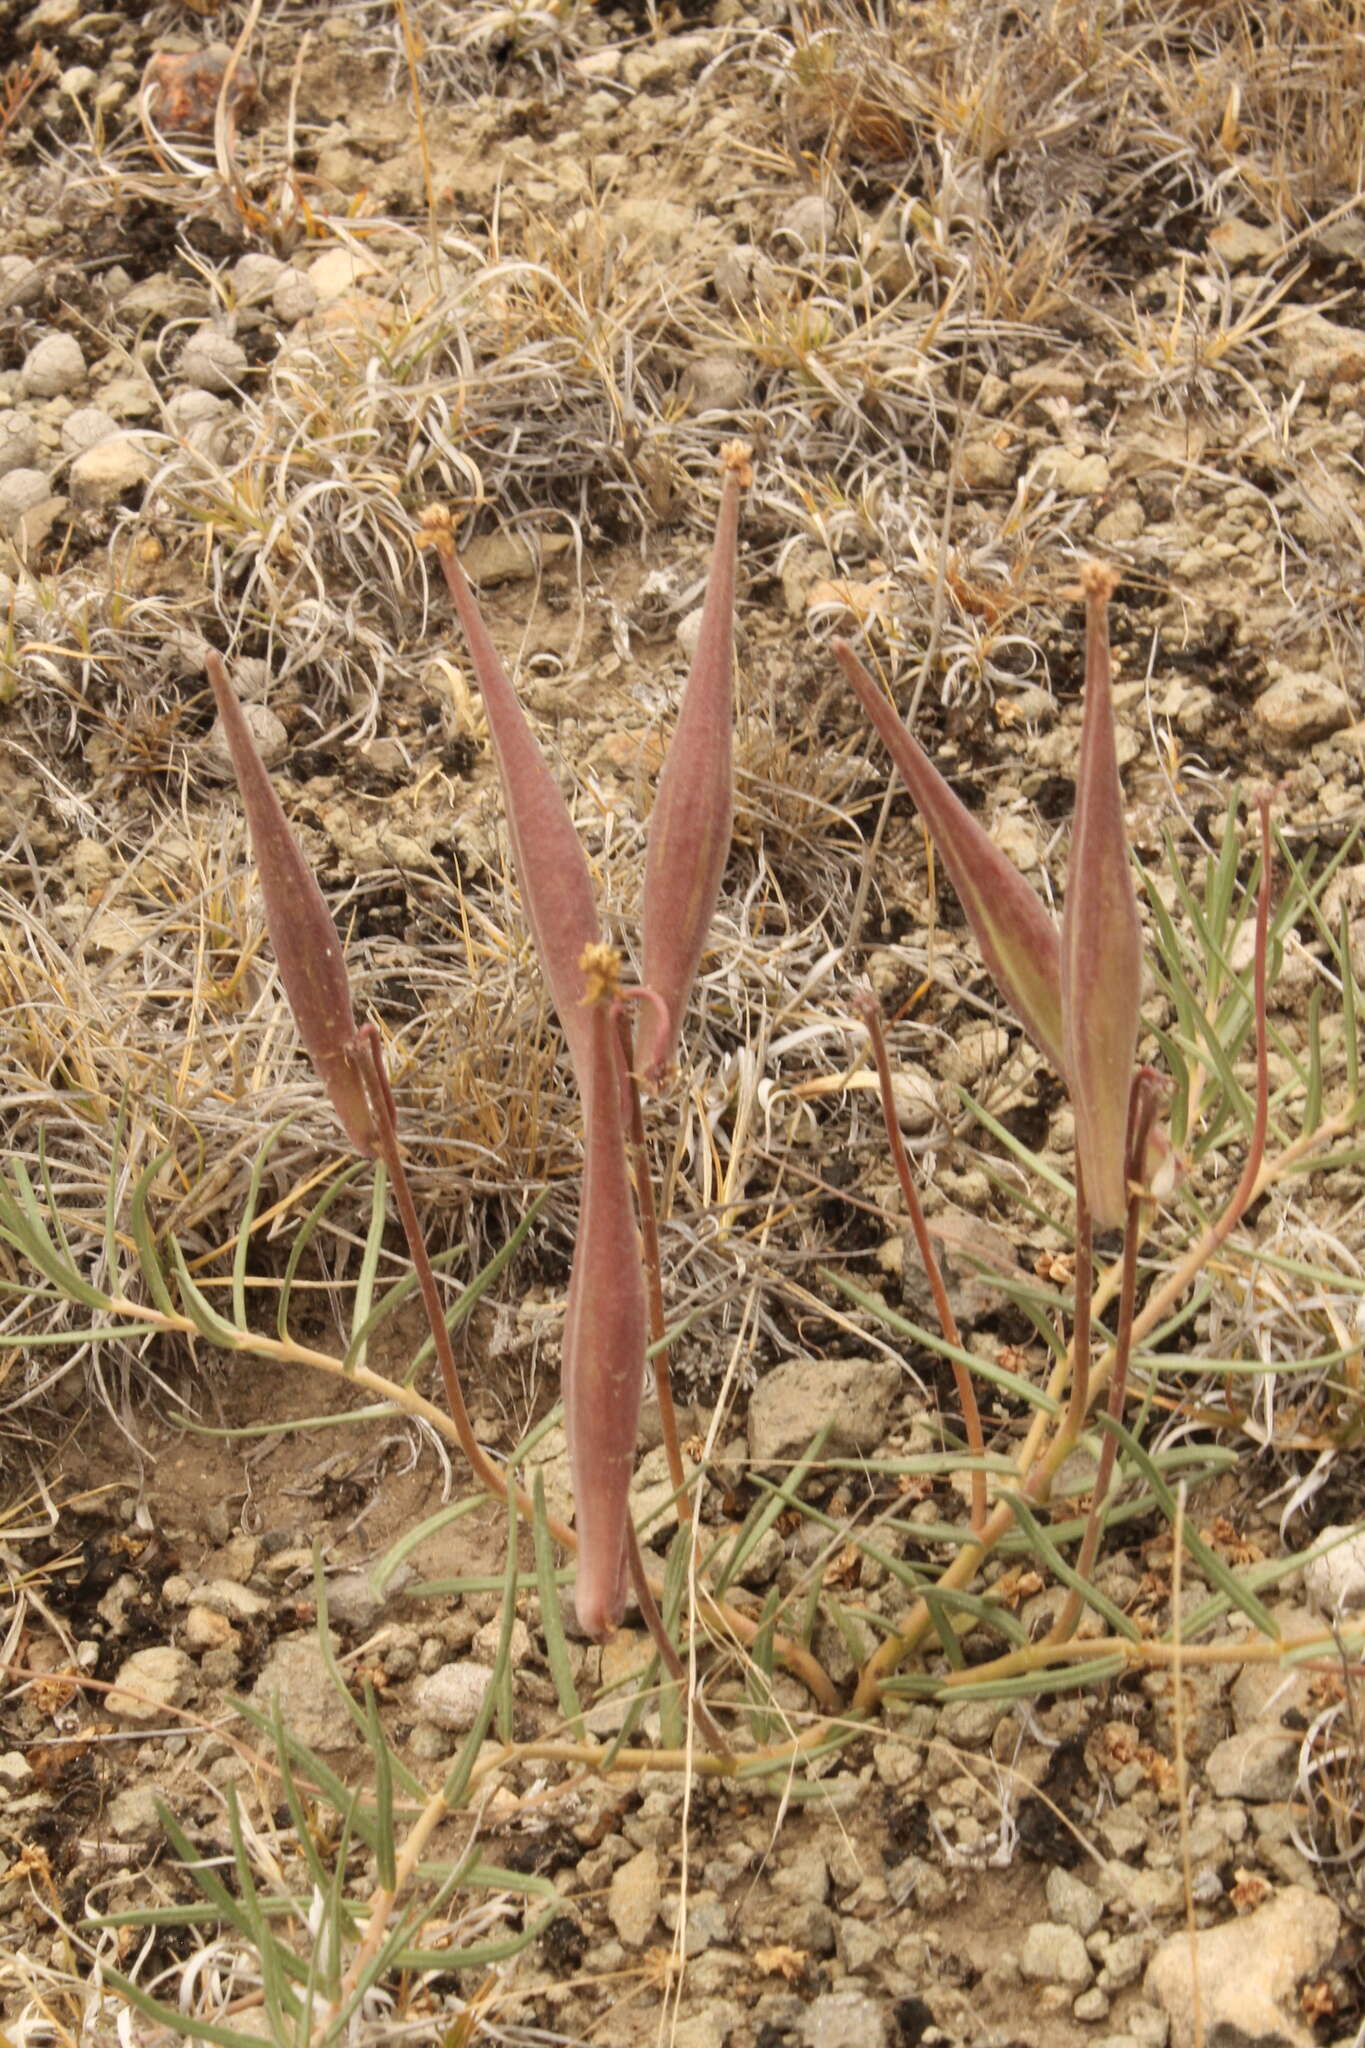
(990, 289)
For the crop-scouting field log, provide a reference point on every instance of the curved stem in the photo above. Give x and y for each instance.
(797, 1660)
(1040, 1459)
(869, 1012)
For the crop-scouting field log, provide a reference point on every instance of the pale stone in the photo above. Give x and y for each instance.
(53, 367)
(854, 1395)
(1249, 1973)
(634, 1899)
(102, 475)
(149, 1683)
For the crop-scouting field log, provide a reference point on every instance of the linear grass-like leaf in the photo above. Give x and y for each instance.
(144, 1237)
(247, 1219)
(458, 1777)
(303, 1237)
(1235, 1590)
(28, 1227)
(1040, 1542)
(184, 2025)
(551, 1620)
(984, 1368)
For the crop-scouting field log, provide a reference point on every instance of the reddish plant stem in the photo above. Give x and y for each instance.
(672, 1662)
(1079, 1400)
(1067, 1621)
(489, 1476)
(869, 1013)
(797, 1660)
(649, 1254)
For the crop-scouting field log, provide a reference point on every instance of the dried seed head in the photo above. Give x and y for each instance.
(556, 889)
(1017, 937)
(302, 931)
(1101, 954)
(606, 1327)
(690, 827)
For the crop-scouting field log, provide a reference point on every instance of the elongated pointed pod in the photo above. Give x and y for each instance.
(1101, 966)
(302, 931)
(552, 873)
(605, 1328)
(689, 828)
(1011, 925)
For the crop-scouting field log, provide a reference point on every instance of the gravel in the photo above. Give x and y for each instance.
(852, 1395)
(108, 471)
(150, 1682)
(213, 361)
(634, 1899)
(84, 427)
(19, 443)
(1249, 1973)
(451, 1697)
(1055, 1954)
(53, 368)
(21, 282)
(21, 490)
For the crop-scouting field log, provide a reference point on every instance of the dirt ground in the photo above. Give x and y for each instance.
(990, 289)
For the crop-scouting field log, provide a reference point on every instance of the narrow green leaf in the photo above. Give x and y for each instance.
(363, 1298)
(385, 1856)
(411, 1783)
(303, 1237)
(1227, 1582)
(200, 1310)
(1028, 1685)
(1047, 1552)
(186, 2026)
(1348, 1004)
(983, 1368)
(1312, 1106)
(144, 1237)
(457, 1779)
(28, 1229)
(765, 1513)
(246, 1222)
(551, 1619)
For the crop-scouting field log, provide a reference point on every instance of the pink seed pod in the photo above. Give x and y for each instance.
(690, 826)
(556, 888)
(1016, 934)
(1101, 953)
(605, 1329)
(302, 932)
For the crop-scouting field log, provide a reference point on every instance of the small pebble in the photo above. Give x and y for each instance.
(451, 1697)
(202, 421)
(20, 491)
(53, 367)
(294, 297)
(85, 426)
(21, 282)
(272, 744)
(212, 360)
(18, 442)
(811, 220)
(104, 472)
(254, 277)
(149, 1683)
